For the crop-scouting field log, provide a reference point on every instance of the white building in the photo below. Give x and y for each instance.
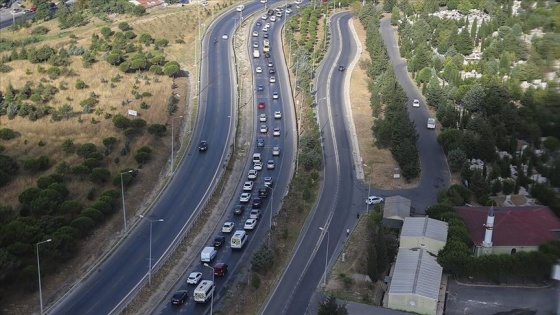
(424, 233)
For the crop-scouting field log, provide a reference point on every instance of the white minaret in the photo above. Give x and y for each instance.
(487, 243)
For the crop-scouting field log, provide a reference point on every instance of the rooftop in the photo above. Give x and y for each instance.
(513, 226)
(416, 272)
(425, 227)
(396, 206)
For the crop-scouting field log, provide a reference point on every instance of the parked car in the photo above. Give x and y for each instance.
(194, 278)
(228, 227)
(219, 240)
(372, 200)
(179, 298)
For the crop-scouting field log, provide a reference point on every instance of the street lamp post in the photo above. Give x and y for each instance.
(150, 258)
(326, 256)
(271, 212)
(123, 204)
(213, 283)
(369, 189)
(39, 273)
(172, 142)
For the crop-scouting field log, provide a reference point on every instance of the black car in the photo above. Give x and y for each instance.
(219, 240)
(260, 87)
(260, 143)
(265, 35)
(238, 209)
(263, 192)
(179, 298)
(341, 68)
(267, 55)
(257, 203)
(203, 145)
(272, 71)
(289, 5)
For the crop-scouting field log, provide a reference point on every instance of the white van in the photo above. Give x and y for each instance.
(203, 291)
(208, 254)
(239, 239)
(256, 157)
(240, 8)
(256, 53)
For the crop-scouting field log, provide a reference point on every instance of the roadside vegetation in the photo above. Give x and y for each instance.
(393, 129)
(458, 259)
(491, 76)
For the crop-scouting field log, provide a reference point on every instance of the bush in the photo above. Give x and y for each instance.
(80, 85)
(142, 157)
(93, 214)
(4, 68)
(121, 121)
(40, 30)
(7, 134)
(103, 206)
(35, 165)
(123, 26)
(157, 130)
(99, 175)
(83, 225)
(86, 149)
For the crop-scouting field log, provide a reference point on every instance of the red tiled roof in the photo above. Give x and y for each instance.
(513, 226)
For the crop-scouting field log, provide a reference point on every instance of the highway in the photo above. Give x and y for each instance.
(281, 174)
(305, 270)
(193, 182)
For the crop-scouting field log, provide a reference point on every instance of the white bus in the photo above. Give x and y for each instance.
(238, 239)
(204, 291)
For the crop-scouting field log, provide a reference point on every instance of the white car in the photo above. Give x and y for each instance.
(250, 224)
(270, 164)
(255, 45)
(245, 197)
(240, 8)
(264, 17)
(263, 129)
(372, 200)
(194, 278)
(255, 34)
(267, 24)
(258, 70)
(263, 1)
(277, 114)
(416, 103)
(252, 174)
(270, 64)
(228, 227)
(258, 166)
(248, 186)
(255, 214)
(431, 123)
(204, 3)
(276, 132)
(288, 11)
(272, 80)
(275, 151)
(262, 117)
(268, 181)
(273, 18)
(275, 96)
(225, 36)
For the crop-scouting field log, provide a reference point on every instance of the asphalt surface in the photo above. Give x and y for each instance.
(193, 182)
(281, 174)
(487, 300)
(306, 269)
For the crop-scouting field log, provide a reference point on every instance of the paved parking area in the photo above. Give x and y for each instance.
(489, 300)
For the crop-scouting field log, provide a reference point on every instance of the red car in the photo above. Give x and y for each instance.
(261, 105)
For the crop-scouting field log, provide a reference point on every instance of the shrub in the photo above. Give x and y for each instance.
(123, 26)
(99, 175)
(86, 149)
(7, 134)
(83, 225)
(157, 130)
(35, 165)
(93, 214)
(40, 30)
(109, 142)
(68, 146)
(4, 68)
(80, 85)
(142, 157)
(138, 123)
(121, 121)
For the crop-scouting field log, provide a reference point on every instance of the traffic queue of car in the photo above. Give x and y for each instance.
(246, 213)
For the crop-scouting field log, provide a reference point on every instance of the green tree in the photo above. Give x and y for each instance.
(395, 16)
(372, 268)
(456, 160)
(171, 68)
(329, 306)
(381, 250)
(121, 121)
(263, 259)
(157, 130)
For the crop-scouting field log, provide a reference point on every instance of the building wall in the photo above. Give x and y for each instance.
(431, 245)
(412, 303)
(498, 250)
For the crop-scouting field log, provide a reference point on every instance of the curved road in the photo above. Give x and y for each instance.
(307, 266)
(305, 271)
(192, 183)
(281, 174)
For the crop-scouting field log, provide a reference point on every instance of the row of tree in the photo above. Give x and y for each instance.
(394, 129)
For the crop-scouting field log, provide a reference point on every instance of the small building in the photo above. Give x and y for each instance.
(424, 233)
(415, 282)
(396, 208)
(507, 230)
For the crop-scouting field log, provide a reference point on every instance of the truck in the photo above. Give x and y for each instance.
(238, 239)
(204, 291)
(208, 254)
(256, 53)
